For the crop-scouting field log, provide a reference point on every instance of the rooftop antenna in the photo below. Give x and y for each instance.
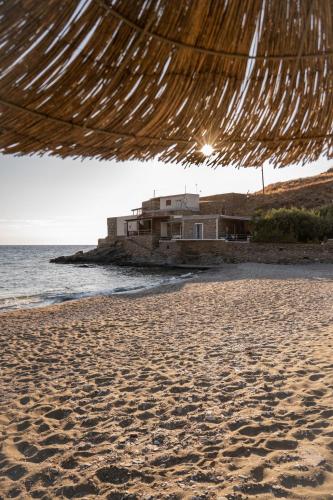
(262, 178)
(185, 188)
(196, 188)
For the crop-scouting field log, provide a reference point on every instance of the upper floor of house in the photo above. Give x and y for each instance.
(165, 205)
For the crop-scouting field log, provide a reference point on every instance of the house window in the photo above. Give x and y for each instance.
(168, 203)
(198, 231)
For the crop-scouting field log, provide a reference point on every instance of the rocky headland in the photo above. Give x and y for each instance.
(113, 254)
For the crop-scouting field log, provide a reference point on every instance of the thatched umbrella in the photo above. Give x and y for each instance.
(138, 79)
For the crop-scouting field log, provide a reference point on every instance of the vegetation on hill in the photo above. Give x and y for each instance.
(294, 225)
(326, 212)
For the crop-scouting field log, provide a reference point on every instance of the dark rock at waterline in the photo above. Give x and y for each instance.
(113, 254)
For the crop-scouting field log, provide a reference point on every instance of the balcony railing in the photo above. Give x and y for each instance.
(225, 237)
(139, 232)
(136, 211)
(235, 237)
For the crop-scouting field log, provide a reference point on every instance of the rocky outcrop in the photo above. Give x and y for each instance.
(200, 253)
(138, 251)
(112, 254)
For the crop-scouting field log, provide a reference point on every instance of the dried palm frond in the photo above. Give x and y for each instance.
(138, 79)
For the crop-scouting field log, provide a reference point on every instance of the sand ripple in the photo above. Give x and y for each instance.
(212, 390)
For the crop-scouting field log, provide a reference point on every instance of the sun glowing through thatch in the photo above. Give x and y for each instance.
(207, 150)
(137, 80)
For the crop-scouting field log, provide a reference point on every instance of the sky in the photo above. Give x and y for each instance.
(65, 201)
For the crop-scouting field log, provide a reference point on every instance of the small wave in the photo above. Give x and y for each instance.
(186, 276)
(123, 289)
(50, 298)
(19, 302)
(81, 295)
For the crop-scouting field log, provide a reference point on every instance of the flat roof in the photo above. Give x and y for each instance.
(172, 196)
(176, 195)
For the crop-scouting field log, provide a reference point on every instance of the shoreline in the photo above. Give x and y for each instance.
(78, 296)
(217, 387)
(221, 273)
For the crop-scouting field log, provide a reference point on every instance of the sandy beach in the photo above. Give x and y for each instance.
(218, 388)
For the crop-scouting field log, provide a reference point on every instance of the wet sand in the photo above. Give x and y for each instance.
(207, 390)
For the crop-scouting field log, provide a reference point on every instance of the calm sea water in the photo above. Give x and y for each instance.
(27, 279)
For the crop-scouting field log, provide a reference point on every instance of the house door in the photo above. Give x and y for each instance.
(164, 230)
(198, 231)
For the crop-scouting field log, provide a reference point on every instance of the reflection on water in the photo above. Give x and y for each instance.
(27, 279)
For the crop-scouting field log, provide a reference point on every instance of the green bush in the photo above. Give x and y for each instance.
(290, 225)
(326, 213)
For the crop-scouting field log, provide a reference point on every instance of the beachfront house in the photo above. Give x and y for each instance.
(178, 217)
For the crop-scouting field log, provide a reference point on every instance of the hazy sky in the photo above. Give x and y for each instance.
(54, 201)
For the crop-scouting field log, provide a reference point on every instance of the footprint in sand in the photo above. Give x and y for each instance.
(16, 472)
(58, 414)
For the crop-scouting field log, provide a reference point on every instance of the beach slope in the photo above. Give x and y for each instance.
(217, 388)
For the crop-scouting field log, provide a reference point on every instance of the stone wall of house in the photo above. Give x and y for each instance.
(112, 227)
(203, 252)
(156, 229)
(152, 204)
(112, 233)
(138, 249)
(209, 228)
(240, 204)
(230, 204)
(143, 250)
(167, 253)
(103, 242)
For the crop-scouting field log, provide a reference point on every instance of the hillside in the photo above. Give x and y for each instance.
(310, 192)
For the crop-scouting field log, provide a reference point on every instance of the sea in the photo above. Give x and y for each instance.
(28, 279)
